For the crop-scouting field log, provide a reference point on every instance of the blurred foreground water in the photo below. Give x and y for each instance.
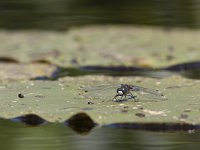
(56, 136)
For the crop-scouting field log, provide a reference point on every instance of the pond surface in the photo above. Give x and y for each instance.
(16, 136)
(62, 14)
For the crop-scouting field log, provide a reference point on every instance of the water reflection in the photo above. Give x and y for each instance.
(48, 14)
(30, 119)
(81, 123)
(56, 136)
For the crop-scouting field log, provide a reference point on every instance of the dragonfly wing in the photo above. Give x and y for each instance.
(101, 91)
(101, 87)
(149, 93)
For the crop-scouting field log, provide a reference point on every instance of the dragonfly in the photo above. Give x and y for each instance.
(125, 92)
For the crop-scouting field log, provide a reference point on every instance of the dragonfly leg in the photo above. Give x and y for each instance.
(133, 97)
(121, 96)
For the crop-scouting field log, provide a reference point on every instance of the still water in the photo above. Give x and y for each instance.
(62, 14)
(16, 136)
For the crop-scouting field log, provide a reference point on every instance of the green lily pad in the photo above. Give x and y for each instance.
(103, 45)
(12, 71)
(57, 101)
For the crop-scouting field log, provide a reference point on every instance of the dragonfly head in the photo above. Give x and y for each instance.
(121, 90)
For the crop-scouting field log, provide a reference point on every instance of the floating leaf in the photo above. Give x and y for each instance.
(11, 71)
(103, 45)
(57, 101)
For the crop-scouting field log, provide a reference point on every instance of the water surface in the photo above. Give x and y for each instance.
(62, 14)
(16, 136)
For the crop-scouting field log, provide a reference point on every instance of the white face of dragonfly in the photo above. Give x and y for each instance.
(120, 92)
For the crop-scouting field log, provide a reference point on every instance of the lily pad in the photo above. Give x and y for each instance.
(57, 101)
(12, 71)
(103, 45)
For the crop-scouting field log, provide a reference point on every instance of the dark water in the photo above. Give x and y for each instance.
(62, 14)
(188, 70)
(16, 136)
